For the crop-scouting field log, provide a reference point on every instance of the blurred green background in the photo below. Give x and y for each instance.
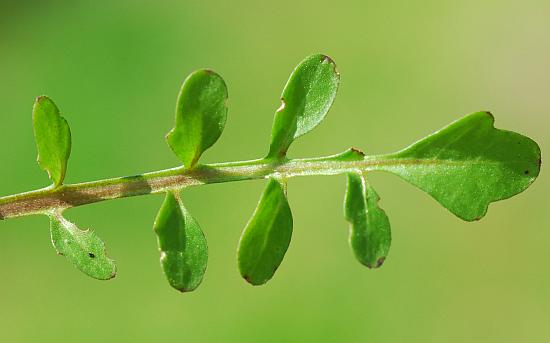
(407, 68)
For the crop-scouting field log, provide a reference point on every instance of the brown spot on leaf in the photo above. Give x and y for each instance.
(91, 254)
(327, 59)
(380, 262)
(526, 172)
(357, 151)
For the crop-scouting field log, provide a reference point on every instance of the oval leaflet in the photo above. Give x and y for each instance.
(306, 99)
(83, 248)
(201, 113)
(182, 245)
(266, 237)
(370, 233)
(53, 139)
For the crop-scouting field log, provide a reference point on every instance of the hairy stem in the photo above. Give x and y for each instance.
(44, 200)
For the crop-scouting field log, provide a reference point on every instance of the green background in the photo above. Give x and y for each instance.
(408, 68)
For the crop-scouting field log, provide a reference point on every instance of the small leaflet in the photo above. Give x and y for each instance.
(182, 245)
(53, 139)
(370, 233)
(306, 99)
(201, 113)
(83, 248)
(266, 237)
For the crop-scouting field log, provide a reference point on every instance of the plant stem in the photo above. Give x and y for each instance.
(44, 200)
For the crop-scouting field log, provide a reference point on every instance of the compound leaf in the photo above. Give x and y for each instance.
(469, 164)
(183, 248)
(266, 237)
(83, 248)
(370, 233)
(201, 112)
(306, 99)
(53, 139)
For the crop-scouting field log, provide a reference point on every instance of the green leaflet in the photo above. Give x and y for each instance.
(266, 237)
(370, 234)
(306, 99)
(183, 248)
(201, 112)
(53, 139)
(468, 164)
(84, 249)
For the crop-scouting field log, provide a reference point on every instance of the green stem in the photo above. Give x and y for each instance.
(44, 200)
